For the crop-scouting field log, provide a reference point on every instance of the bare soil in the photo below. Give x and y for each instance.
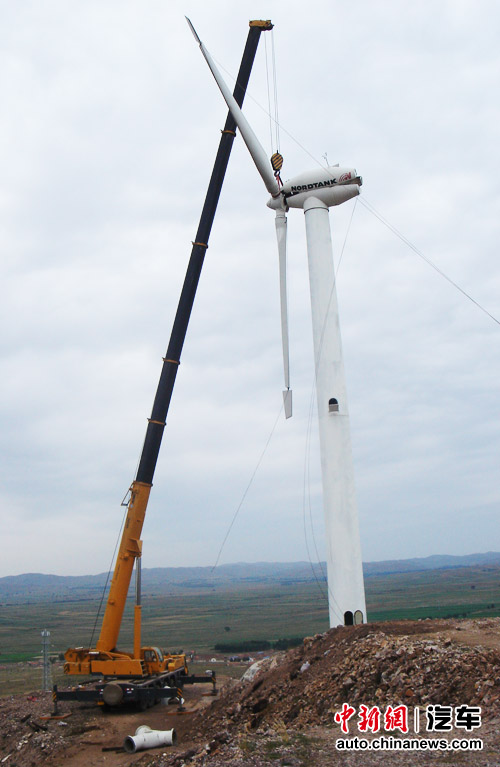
(285, 714)
(83, 735)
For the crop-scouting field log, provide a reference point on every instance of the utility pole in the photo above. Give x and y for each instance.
(47, 674)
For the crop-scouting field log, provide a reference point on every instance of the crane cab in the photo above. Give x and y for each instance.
(156, 662)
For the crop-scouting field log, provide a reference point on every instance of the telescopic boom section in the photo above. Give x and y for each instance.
(130, 549)
(130, 546)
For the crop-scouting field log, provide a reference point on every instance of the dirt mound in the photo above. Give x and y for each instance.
(27, 737)
(365, 664)
(412, 663)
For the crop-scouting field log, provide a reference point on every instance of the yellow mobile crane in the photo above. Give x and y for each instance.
(147, 674)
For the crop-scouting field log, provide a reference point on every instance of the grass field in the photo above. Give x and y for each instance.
(197, 620)
(188, 621)
(462, 592)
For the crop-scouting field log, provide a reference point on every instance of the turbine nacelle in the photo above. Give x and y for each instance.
(332, 185)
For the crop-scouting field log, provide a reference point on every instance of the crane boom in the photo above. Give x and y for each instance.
(106, 659)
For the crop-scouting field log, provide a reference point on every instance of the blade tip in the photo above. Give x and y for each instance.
(193, 30)
(287, 402)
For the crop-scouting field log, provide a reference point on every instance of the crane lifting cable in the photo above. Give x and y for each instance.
(275, 92)
(272, 102)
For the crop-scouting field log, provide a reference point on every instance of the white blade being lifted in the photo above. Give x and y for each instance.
(252, 142)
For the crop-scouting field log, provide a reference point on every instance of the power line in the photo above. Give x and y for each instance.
(425, 258)
(247, 488)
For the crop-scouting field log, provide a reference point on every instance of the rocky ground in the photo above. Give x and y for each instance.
(284, 711)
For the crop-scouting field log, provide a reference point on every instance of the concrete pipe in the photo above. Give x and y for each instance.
(145, 737)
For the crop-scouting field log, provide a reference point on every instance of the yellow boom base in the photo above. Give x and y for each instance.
(152, 661)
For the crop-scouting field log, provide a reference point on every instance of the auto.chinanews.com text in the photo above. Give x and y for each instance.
(392, 743)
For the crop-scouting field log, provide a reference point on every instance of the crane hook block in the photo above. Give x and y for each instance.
(277, 161)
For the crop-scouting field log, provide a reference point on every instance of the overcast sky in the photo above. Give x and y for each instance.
(109, 124)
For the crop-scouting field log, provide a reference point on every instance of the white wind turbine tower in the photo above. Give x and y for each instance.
(315, 191)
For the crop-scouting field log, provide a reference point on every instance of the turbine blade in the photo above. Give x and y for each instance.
(253, 145)
(193, 30)
(281, 227)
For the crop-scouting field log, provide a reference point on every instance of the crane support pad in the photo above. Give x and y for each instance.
(78, 694)
(194, 679)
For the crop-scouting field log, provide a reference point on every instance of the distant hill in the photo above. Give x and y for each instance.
(435, 562)
(33, 587)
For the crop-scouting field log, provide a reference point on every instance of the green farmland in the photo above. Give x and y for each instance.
(197, 619)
